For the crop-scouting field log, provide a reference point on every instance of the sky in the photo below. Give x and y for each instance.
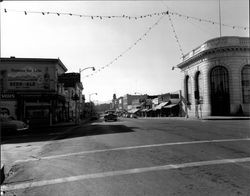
(81, 42)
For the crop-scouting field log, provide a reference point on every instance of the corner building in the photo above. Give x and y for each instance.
(30, 90)
(216, 79)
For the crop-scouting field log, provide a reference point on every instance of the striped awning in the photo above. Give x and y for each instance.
(158, 107)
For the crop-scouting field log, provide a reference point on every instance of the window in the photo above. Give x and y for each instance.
(188, 89)
(245, 81)
(199, 86)
(3, 80)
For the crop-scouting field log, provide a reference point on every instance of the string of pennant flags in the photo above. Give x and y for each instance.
(129, 48)
(175, 35)
(139, 17)
(142, 37)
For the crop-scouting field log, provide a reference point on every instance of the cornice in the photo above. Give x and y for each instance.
(212, 53)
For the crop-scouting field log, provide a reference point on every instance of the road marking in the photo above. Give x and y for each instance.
(120, 173)
(128, 148)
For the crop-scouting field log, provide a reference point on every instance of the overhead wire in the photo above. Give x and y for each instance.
(124, 16)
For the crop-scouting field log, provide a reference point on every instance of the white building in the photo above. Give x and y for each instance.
(216, 78)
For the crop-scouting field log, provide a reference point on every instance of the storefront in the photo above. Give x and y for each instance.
(30, 90)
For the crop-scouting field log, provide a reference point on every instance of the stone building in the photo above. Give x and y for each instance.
(216, 78)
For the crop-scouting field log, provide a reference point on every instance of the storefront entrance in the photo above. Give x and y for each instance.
(220, 91)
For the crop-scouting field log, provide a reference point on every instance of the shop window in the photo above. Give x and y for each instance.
(188, 90)
(198, 93)
(245, 81)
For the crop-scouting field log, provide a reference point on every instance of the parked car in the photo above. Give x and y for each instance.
(9, 125)
(110, 115)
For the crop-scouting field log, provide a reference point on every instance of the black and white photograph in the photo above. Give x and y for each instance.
(125, 98)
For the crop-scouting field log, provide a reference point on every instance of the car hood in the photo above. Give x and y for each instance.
(17, 123)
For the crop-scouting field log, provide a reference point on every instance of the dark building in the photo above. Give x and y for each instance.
(30, 90)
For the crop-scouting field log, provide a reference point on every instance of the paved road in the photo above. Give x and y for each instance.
(134, 157)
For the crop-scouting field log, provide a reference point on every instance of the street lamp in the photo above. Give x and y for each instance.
(80, 70)
(91, 95)
(175, 67)
(77, 117)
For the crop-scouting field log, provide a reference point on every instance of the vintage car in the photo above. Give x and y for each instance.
(110, 115)
(9, 126)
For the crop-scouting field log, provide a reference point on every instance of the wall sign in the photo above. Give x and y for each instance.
(28, 77)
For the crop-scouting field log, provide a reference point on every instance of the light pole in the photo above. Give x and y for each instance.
(91, 95)
(175, 67)
(90, 102)
(80, 70)
(183, 100)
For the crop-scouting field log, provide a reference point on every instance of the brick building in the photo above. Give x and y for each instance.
(30, 90)
(216, 79)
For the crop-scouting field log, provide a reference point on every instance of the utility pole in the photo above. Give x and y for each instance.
(220, 17)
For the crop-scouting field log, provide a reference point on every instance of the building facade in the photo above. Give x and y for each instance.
(216, 79)
(30, 90)
(132, 101)
(73, 93)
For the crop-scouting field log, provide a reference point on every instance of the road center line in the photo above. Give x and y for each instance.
(129, 148)
(120, 173)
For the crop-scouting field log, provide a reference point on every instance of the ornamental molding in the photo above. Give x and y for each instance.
(218, 47)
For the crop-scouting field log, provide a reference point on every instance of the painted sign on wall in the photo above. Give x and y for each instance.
(28, 77)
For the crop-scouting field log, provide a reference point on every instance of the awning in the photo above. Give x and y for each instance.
(170, 105)
(175, 101)
(133, 111)
(144, 110)
(158, 107)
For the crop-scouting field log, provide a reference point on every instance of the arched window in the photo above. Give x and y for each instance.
(188, 89)
(220, 98)
(198, 86)
(245, 81)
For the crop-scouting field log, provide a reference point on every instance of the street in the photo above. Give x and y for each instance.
(160, 156)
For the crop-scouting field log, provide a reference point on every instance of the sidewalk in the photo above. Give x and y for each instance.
(15, 151)
(226, 118)
(204, 118)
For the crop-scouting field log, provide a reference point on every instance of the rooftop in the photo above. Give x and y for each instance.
(14, 59)
(219, 42)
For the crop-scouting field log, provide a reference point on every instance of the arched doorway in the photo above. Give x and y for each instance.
(220, 100)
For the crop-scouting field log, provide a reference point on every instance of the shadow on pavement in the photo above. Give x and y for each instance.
(46, 134)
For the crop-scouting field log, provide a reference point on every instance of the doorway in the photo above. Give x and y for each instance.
(220, 99)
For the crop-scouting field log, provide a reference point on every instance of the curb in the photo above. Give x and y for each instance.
(239, 118)
(2, 177)
(193, 118)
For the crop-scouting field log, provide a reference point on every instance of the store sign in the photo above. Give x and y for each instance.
(28, 77)
(7, 96)
(69, 79)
